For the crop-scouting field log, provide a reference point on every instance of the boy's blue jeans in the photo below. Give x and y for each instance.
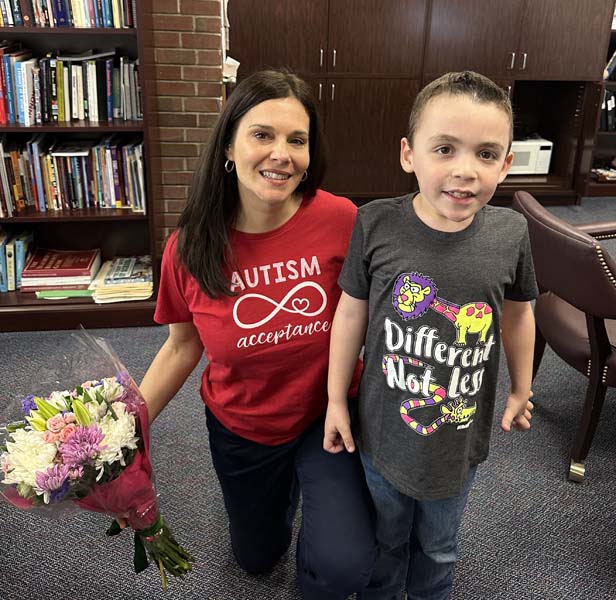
(418, 541)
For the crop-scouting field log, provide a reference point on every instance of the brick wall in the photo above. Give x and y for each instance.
(183, 74)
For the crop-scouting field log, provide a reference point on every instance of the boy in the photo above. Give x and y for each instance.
(428, 284)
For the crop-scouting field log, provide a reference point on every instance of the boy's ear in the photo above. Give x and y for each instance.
(406, 155)
(506, 166)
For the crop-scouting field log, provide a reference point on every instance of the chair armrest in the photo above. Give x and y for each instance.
(602, 231)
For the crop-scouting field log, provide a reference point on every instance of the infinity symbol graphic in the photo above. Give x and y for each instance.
(297, 305)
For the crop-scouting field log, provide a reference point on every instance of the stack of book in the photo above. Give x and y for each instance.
(68, 271)
(123, 279)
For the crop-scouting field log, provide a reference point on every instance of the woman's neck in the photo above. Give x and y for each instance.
(262, 219)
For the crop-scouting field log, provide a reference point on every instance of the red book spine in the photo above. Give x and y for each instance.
(60, 264)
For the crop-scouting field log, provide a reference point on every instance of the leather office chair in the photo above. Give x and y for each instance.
(576, 309)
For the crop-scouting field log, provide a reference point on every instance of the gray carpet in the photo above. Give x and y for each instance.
(528, 534)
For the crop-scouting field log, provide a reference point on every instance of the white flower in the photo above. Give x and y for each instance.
(57, 400)
(97, 411)
(118, 434)
(27, 454)
(112, 390)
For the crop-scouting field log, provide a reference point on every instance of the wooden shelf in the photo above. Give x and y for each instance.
(535, 183)
(601, 188)
(60, 31)
(24, 312)
(117, 125)
(89, 214)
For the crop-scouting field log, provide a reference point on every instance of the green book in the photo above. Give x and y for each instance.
(58, 294)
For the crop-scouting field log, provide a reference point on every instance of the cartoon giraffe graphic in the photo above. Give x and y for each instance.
(414, 294)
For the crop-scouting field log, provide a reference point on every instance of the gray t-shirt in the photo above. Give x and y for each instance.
(433, 339)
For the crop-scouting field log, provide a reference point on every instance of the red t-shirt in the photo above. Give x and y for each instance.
(267, 347)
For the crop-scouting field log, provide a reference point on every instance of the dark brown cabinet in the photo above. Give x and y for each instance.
(364, 121)
(462, 35)
(379, 37)
(564, 40)
(271, 33)
(522, 39)
(376, 37)
(367, 60)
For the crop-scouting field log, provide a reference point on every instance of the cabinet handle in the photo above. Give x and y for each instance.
(524, 56)
(320, 91)
(512, 60)
(334, 62)
(333, 91)
(321, 58)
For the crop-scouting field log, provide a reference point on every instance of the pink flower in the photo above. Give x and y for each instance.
(55, 423)
(50, 437)
(67, 432)
(68, 417)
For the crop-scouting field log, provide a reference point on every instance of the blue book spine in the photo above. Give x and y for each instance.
(4, 286)
(38, 175)
(58, 9)
(19, 89)
(98, 22)
(8, 74)
(16, 13)
(21, 249)
(109, 88)
(107, 13)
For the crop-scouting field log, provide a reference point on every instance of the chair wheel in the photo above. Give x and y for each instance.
(577, 470)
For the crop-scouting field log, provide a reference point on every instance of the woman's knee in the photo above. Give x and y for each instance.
(341, 569)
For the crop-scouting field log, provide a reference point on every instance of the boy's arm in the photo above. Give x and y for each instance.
(347, 338)
(518, 334)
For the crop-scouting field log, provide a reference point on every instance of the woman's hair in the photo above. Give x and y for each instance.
(213, 200)
(468, 83)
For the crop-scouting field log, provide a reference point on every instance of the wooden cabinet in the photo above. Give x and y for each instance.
(271, 33)
(463, 35)
(372, 57)
(564, 41)
(364, 151)
(115, 231)
(522, 39)
(378, 37)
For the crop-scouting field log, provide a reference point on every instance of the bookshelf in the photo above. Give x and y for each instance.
(116, 231)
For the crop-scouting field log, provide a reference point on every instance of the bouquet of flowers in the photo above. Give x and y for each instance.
(89, 447)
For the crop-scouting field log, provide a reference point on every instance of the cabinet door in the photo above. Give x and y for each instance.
(366, 118)
(271, 33)
(480, 35)
(564, 40)
(379, 37)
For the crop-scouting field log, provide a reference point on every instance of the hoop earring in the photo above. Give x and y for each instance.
(304, 176)
(229, 166)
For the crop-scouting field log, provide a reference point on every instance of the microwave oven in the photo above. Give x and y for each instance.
(531, 156)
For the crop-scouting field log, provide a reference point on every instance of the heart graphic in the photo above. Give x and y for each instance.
(300, 304)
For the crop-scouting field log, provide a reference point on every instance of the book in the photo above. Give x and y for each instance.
(62, 294)
(609, 68)
(4, 236)
(130, 269)
(9, 251)
(62, 263)
(22, 243)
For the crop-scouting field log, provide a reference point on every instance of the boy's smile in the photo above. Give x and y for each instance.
(459, 155)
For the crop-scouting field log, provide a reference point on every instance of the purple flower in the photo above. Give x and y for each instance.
(54, 482)
(28, 404)
(123, 378)
(82, 447)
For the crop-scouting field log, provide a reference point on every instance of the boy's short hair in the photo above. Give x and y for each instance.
(474, 85)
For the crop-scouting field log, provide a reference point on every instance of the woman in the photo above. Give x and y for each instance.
(251, 276)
